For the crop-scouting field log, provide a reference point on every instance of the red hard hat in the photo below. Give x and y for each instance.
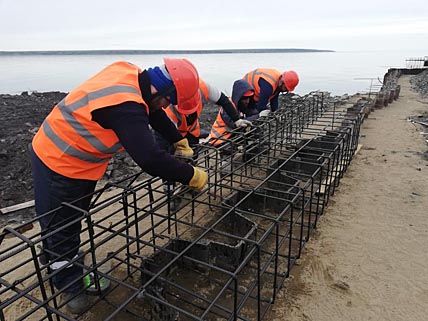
(186, 81)
(291, 79)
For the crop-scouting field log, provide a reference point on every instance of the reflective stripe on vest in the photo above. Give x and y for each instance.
(270, 75)
(70, 150)
(174, 115)
(181, 123)
(220, 131)
(67, 113)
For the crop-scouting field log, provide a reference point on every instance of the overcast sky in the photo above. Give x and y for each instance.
(180, 24)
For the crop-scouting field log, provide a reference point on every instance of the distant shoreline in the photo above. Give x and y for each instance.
(153, 52)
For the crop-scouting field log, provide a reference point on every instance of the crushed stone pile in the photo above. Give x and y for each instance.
(419, 83)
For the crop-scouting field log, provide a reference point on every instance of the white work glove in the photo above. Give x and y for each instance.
(242, 123)
(264, 112)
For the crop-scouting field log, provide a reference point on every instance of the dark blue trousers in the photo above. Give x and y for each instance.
(50, 191)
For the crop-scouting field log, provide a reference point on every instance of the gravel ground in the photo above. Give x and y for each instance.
(420, 83)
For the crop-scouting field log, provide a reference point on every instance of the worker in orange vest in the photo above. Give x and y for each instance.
(267, 84)
(222, 128)
(108, 113)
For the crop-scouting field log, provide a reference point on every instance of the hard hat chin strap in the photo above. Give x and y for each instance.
(167, 92)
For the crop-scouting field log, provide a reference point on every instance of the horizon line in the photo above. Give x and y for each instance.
(160, 51)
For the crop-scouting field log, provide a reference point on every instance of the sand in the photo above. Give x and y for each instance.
(368, 259)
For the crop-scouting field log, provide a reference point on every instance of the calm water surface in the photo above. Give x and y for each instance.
(337, 72)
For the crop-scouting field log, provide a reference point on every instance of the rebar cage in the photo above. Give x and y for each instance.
(219, 254)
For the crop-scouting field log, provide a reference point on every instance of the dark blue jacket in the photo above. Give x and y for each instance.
(240, 87)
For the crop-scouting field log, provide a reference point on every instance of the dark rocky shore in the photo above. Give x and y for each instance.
(21, 116)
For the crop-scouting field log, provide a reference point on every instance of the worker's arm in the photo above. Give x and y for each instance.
(228, 107)
(274, 103)
(227, 119)
(252, 117)
(130, 122)
(164, 126)
(220, 99)
(266, 91)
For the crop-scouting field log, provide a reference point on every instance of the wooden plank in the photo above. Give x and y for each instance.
(16, 207)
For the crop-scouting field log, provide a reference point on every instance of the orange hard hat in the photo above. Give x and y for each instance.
(291, 79)
(186, 81)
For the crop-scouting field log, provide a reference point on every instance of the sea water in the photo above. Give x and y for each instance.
(336, 72)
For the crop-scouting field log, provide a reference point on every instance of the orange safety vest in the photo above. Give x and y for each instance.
(69, 142)
(203, 90)
(180, 121)
(270, 75)
(220, 131)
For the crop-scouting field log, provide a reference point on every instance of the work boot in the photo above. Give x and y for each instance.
(76, 303)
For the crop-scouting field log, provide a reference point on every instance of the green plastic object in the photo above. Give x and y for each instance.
(103, 283)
